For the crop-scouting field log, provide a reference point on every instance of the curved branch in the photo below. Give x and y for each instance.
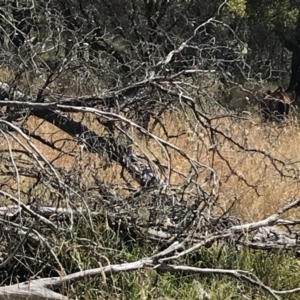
(123, 155)
(42, 288)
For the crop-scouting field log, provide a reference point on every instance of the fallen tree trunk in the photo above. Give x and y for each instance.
(34, 290)
(42, 289)
(92, 142)
(258, 235)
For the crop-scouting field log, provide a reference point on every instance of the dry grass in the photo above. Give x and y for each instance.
(273, 190)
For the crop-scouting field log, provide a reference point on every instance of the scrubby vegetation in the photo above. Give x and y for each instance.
(135, 163)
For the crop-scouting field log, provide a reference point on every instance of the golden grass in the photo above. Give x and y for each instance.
(263, 189)
(282, 142)
(271, 189)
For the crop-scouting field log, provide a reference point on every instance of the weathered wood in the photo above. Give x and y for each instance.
(260, 235)
(92, 142)
(32, 291)
(41, 289)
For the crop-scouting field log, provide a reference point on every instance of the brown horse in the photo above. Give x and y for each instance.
(275, 105)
